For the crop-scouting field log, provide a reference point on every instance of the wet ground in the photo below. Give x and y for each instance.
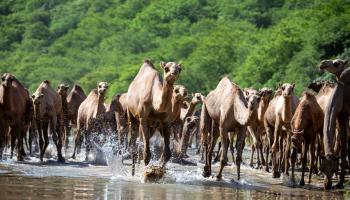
(77, 179)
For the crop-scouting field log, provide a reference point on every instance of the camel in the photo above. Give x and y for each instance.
(149, 104)
(16, 114)
(74, 99)
(91, 115)
(306, 125)
(122, 119)
(277, 119)
(224, 110)
(256, 129)
(62, 90)
(337, 111)
(111, 110)
(48, 112)
(188, 126)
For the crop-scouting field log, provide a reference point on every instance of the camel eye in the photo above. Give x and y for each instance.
(166, 69)
(180, 69)
(283, 88)
(176, 90)
(336, 64)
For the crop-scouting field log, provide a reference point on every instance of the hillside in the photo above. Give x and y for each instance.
(256, 42)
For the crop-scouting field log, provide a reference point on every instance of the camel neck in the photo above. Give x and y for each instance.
(262, 109)
(100, 102)
(7, 97)
(175, 109)
(287, 109)
(164, 99)
(242, 112)
(190, 109)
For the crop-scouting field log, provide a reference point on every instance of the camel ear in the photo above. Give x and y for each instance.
(346, 63)
(162, 64)
(246, 92)
(293, 84)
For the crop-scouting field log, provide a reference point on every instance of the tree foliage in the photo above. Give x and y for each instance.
(255, 42)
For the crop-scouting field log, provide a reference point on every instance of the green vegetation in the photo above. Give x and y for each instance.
(256, 42)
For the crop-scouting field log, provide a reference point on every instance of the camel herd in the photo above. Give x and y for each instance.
(284, 129)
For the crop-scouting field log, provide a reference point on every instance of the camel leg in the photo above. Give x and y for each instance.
(184, 144)
(45, 127)
(312, 160)
(293, 159)
(166, 151)
(13, 140)
(209, 151)
(133, 132)
(146, 136)
(287, 154)
(239, 147)
(269, 132)
(232, 149)
(2, 140)
(343, 123)
(223, 157)
(56, 137)
(252, 155)
(303, 161)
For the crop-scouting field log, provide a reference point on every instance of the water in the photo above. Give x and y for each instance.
(78, 179)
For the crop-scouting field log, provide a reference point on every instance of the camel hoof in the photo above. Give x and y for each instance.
(339, 185)
(276, 175)
(302, 182)
(20, 158)
(218, 177)
(61, 159)
(206, 173)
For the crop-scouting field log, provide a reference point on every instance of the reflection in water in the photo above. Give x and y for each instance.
(81, 180)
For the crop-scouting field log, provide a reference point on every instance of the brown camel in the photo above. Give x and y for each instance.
(48, 112)
(256, 129)
(74, 99)
(90, 119)
(277, 119)
(337, 111)
(149, 102)
(188, 126)
(62, 90)
(16, 114)
(225, 110)
(306, 125)
(121, 119)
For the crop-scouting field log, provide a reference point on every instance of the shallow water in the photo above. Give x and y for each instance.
(77, 179)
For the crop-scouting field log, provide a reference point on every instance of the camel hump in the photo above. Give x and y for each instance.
(148, 62)
(46, 82)
(307, 94)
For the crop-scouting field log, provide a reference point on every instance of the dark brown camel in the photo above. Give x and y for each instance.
(224, 110)
(91, 115)
(74, 99)
(306, 124)
(337, 111)
(15, 114)
(149, 104)
(48, 112)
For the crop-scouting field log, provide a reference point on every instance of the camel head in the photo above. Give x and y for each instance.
(287, 89)
(62, 90)
(180, 93)
(36, 98)
(253, 101)
(316, 86)
(171, 71)
(102, 88)
(191, 121)
(6, 80)
(335, 67)
(265, 93)
(328, 166)
(197, 98)
(249, 91)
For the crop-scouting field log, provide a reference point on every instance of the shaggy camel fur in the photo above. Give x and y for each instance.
(225, 110)
(149, 103)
